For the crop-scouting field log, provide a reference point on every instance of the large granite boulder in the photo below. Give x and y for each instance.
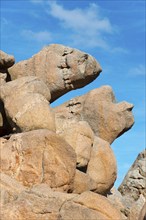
(26, 103)
(107, 118)
(42, 203)
(39, 156)
(61, 68)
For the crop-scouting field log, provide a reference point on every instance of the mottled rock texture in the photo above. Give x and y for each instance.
(134, 182)
(39, 156)
(107, 118)
(57, 164)
(29, 109)
(42, 203)
(61, 68)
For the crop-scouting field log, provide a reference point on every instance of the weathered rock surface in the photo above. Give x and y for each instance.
(39, 156)
(6, 61)
(42, 203)
(115, 197)
(136, 208)
(60, 161)
(134, 182)
(61, 68)
(102, 166)
(142, 215)
(98, 107)
(80, 137)
(30, 108)
(83, 182)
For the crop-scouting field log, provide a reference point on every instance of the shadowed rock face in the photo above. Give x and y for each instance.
(134, 182)
(6, 61)
(61, 68)
(107, 119)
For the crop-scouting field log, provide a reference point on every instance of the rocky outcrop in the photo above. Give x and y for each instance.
(131, 196)
(134, 182)
(107, 119)
(61, 68)
(39, 156)
(57, 163)
(41, 202)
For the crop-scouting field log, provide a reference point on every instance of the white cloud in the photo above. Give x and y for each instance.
(140, 70)
(42, 36)
(86, 25)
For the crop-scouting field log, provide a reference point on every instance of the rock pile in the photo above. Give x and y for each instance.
(130, 197)
(57, 163)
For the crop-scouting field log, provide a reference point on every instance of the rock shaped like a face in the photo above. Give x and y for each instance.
(39, 156)
(61, 68)
(107, 119)
(6, 61)
(30, 108)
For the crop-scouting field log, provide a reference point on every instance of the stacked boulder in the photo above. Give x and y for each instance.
(57, 163)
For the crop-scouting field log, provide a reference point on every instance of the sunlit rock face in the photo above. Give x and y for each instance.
(57, 163)
(61, 68)
(107, 118)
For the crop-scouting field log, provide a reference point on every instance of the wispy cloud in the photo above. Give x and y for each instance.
(119, 50)
(140, 70)
(86, 25)
(42, 36)
(37, 1)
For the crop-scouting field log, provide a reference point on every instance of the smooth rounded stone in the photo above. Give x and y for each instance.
(80, 137)
(83, 182)
(6, 60)
(30, 108)
(61, 68)
(39, 156)
(28, 84)
(134, 182)
(102, 167)
(107, 119)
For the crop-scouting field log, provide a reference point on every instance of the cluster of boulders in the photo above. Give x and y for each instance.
(57, 163)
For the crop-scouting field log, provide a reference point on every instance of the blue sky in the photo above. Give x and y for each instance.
(112, 31)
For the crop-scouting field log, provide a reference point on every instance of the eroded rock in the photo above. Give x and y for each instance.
(107, 119)
(39, 156)
(61, 68)
(30, 108)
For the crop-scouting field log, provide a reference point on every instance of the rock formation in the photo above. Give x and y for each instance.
(134, 182)
(131, 196)
(61, 68)
(57, 163)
